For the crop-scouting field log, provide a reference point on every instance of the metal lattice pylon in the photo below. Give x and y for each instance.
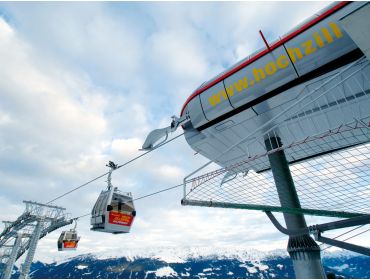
(23, 234)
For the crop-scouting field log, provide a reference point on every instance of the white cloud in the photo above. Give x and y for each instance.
(127, 148)
(171, 172)
(5, 119)
(177, 55)
(86, 36)
(41, 103)
(13, 210)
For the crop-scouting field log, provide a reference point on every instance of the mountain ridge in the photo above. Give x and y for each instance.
(194, 263)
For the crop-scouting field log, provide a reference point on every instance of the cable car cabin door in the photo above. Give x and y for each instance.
(60, 241)
(120, 213)
(99, 211)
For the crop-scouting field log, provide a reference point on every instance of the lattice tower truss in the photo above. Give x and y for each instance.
(23, 234)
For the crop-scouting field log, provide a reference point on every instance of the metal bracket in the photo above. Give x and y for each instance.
(229, 176)
(151, 141)
(112, 167)
(74, 228)
(290, 232)
(317, 230)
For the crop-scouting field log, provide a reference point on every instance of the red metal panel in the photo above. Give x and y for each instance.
(121, 219)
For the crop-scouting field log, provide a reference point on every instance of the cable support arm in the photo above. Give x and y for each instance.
(316, 230)
(155, 135)
(351, 222)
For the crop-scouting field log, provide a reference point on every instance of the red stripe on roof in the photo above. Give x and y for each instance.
(266, 51)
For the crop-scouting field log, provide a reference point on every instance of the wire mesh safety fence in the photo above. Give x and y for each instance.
(324, 134)
(335, 184)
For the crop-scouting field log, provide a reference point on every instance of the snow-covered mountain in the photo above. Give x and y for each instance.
(194, 263)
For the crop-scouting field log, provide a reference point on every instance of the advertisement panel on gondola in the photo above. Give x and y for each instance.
(118, 218)
(70, 244)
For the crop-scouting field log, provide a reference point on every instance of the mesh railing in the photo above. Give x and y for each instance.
(335, 184)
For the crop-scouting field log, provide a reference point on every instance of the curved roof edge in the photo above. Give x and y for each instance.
(296, 31)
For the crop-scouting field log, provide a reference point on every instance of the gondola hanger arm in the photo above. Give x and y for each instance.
(151, 141)
(112, 167)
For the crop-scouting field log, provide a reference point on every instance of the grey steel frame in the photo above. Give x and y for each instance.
(26, 234)
(317, 230)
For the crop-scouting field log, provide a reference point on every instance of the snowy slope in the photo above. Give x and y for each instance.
(194, 263)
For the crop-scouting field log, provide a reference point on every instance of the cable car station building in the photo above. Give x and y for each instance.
(290, 127)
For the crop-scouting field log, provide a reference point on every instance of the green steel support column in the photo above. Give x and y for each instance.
(303, 250)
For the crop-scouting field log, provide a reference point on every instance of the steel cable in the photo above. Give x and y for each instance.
(348, 237)
(141, 197)
(119, 166)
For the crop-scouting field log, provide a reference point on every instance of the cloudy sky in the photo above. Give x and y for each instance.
(83, 83)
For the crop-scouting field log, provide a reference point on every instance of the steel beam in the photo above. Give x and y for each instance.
(266, 208)
(13, 256)
(352, 222)
(31, 250)
(344, 245)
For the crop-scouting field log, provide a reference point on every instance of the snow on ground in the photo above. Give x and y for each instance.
(338, 253)
(250, 269)
(165, 272)
(80, 266)
(260, 265)
(169, 257)
(148, 272)
(207, 269)
(183, 254)
(166, 254)
(341, 267)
